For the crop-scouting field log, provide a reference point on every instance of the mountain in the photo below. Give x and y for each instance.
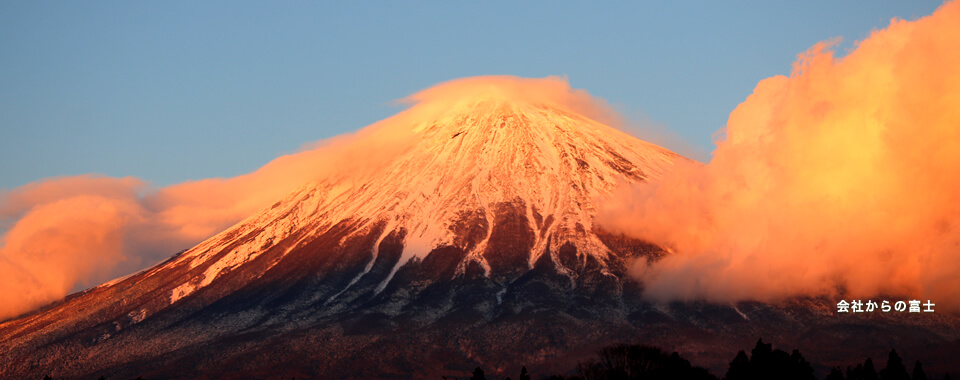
(472, 245)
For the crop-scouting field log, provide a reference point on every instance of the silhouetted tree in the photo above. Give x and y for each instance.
(835, 374)
(625, 361)
(760, 360)
(767, 363)
(865, 371)
(799, 367)
(856, 373)
(639, 362)
(523, 373)
(590, 369)
(895, 369)
(918, 373)
(47, 377)
(739, 367)
(869, 371)
(478, 374)
(947, 376)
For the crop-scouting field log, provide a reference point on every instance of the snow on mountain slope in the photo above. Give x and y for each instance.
(484, 152)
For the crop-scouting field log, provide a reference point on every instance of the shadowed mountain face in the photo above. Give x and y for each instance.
(476, 246)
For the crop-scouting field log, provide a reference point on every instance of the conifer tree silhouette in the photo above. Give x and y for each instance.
(918, 373)
(478, 374)
(869, 371)
(855, 373)
(767, 363)
(739, 367)
(895, 370)
(800, 369)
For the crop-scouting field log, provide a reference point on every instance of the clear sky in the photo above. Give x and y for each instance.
(178, 90)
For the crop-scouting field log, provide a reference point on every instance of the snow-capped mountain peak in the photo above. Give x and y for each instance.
(482, 157)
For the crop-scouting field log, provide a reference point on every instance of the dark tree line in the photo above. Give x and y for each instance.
(478, 374)
(629, 362)
(639, 362)
(766, 363)
(895, 370)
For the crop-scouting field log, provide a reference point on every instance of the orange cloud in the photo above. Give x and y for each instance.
(840, 180)
(80, 231)
(60, 243)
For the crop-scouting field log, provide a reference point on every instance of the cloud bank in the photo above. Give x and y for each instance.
(841, 180)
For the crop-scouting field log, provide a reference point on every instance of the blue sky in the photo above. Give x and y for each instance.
(173, 91)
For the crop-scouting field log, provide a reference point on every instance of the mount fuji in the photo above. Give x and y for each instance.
(471, 244)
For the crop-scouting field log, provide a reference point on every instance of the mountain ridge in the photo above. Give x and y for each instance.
(427, 201)
(491, 189)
